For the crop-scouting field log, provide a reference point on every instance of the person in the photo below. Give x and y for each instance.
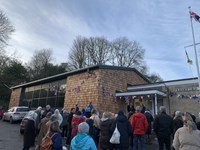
(48, 109)
(140, 125)
(96, 119)
(93, 131)
(149, 120)
(64, 123)
(187, 137)
(29, 131)
(163, 127)
(177, 121)
(58, 115)
(198, 123)
(125, 130)
(43, 128)
(55, 134)
(76, 107)
(82, 141)
(69, 121)
(105, 133)
(88, 110)
(38, 118)
(76, 120)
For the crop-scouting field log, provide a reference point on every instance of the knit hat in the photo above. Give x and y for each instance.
(83, 127)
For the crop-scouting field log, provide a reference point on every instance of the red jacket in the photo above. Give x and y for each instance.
(139, 123)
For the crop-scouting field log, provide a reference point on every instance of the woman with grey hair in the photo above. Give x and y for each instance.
(187, 137)
(82, 141)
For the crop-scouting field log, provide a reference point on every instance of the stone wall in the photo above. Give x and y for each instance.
(99, 87)
(15, 97)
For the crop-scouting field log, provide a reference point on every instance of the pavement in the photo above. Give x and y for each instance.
(11, 139)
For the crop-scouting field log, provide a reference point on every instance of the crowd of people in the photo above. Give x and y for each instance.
(85, 129)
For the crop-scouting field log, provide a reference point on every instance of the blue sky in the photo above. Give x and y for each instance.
(161, 27)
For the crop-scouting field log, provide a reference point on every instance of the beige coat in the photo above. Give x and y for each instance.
(183, 140)
(43, 127)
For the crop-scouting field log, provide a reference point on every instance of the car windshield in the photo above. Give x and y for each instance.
(22, 109)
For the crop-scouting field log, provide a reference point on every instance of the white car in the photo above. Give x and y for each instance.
(15, 113)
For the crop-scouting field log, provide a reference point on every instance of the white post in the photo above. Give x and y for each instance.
(195, 50)
(156, 104)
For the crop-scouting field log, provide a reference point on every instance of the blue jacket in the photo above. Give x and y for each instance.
(57, 141)
(82, 142)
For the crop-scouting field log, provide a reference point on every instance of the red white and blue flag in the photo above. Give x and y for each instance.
(195, 16)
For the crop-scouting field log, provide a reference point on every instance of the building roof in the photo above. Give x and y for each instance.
(163, 83)
(66, 74)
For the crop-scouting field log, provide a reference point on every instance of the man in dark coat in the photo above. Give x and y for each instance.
(29, 131)
(149, 120)
(163, 127)
(125, 130)
(69, 120)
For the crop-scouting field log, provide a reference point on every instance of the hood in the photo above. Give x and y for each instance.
(121, 118)
(80, 140)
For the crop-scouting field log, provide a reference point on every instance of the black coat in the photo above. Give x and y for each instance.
(149, 120)
(177, 123)
(29, 134)
(105, 134)
(125, 129)
(163, 125)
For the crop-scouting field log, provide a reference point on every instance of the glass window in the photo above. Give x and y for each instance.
(43, 93)
(22, 109)
(51, 101)
(60, 102)
(29, 95)
(42, 102)
(34, 103)
(36, 94)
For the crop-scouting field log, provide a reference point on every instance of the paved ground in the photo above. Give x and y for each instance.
(11, 139)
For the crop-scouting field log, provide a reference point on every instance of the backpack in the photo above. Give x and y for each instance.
(47, 143)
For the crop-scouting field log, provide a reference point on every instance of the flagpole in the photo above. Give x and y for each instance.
(195, 50)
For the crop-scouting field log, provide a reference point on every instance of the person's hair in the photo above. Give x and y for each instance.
(78, 113)
(72, 109)
(54, 126)
(162, 109)
(56, 111)
(48, 115)
(94, 111)
(187, 120)
(138, 108)
(83, 127)
(107, 115)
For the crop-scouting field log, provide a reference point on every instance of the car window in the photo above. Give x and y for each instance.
(22, 109)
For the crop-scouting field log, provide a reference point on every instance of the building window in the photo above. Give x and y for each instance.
(49, 93)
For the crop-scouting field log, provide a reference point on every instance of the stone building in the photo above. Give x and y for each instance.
(108, 88)
(97, 84)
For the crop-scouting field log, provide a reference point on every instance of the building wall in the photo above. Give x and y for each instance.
(15, 97)
(99, 87)
(185, 103)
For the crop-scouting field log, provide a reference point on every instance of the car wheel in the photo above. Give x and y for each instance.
(3, 118)
(11, 120)
(0, 117)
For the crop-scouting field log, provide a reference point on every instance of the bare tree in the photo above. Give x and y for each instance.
(128, 54)
(39, 63)
(98, 50)
(5, 29)
(77, 55)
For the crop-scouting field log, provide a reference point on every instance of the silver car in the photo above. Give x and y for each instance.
(15, 113)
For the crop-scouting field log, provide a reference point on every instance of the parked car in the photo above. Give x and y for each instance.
(15, 113)
(1, 113)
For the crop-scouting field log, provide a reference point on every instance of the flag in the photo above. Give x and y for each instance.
(189, 61)
(195, 16)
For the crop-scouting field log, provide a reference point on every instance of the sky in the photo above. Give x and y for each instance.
(161, 27)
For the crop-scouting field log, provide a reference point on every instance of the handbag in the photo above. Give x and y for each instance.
(115, 139)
